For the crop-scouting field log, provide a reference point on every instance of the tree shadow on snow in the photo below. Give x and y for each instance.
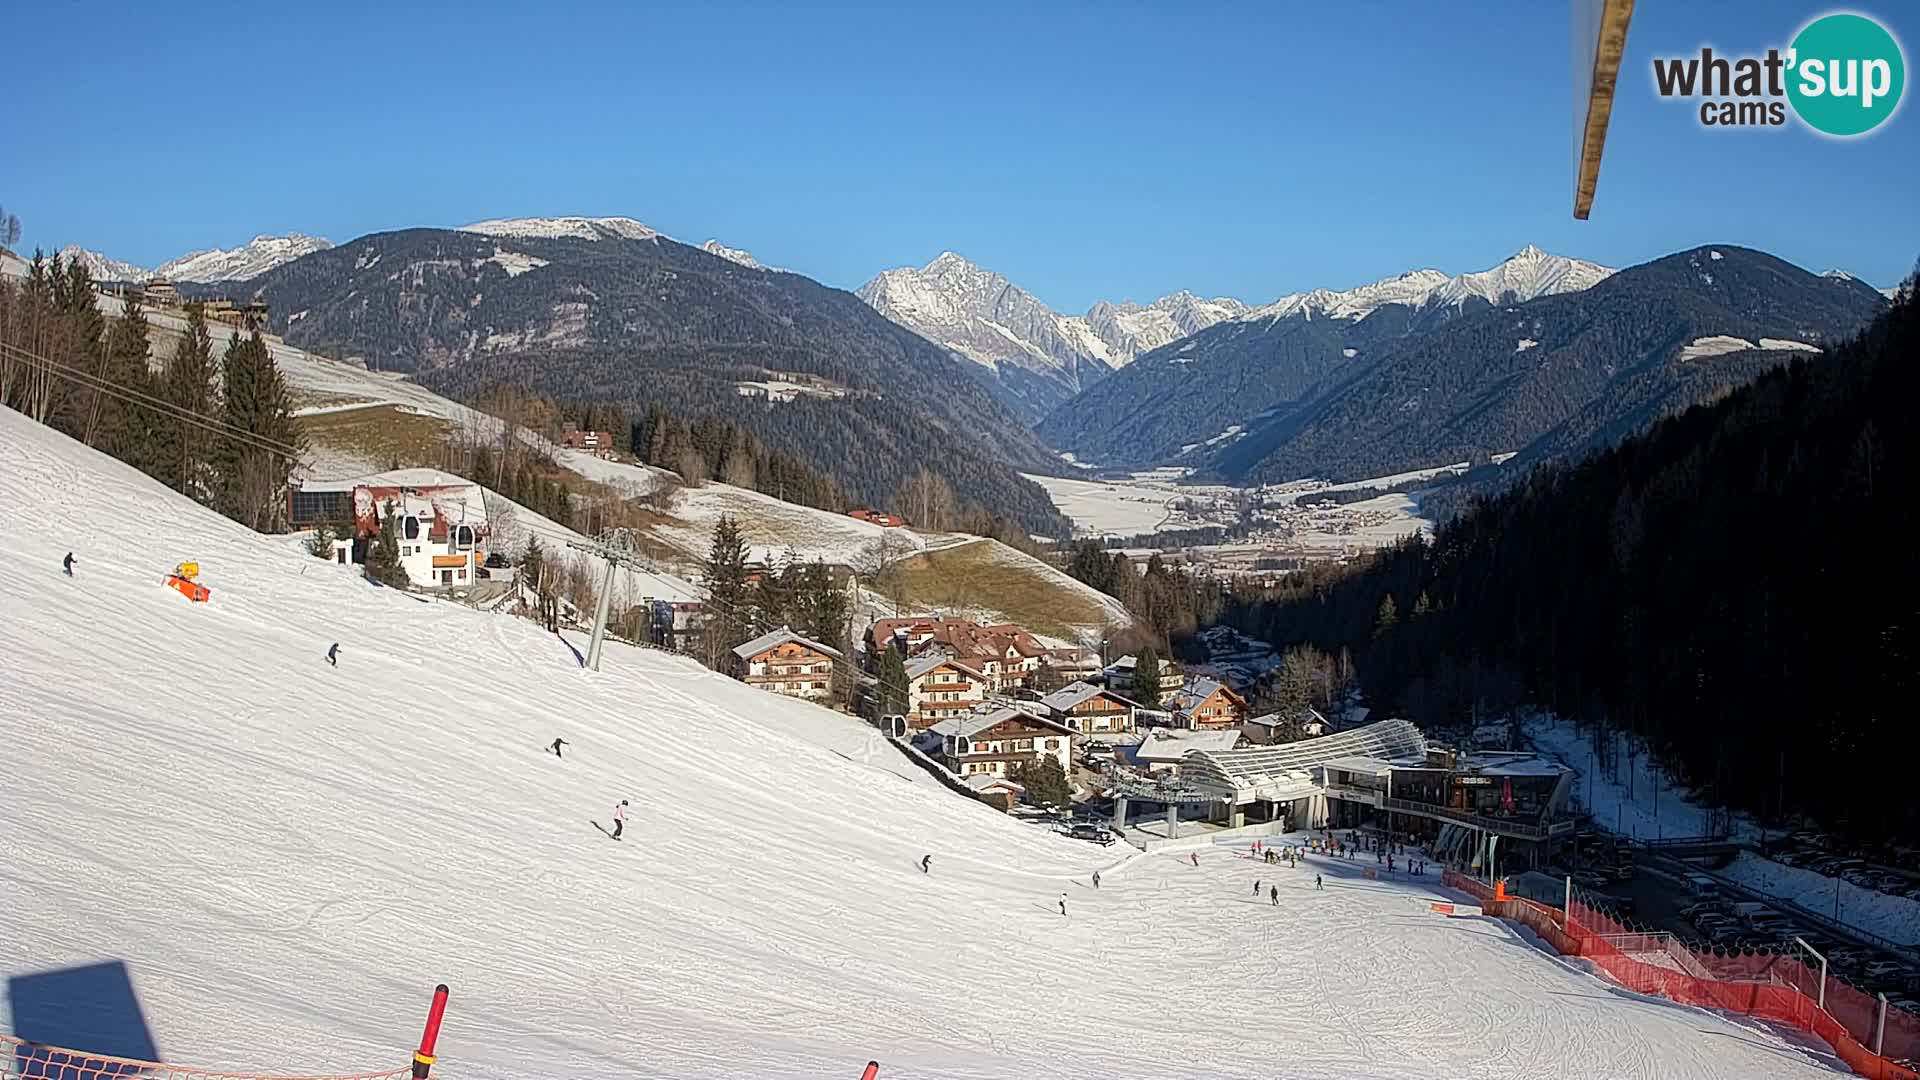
(92, 1009)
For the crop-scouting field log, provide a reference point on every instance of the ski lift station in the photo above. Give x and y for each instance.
(1385, 775)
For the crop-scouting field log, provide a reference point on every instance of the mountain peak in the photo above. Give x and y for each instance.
(731, 254)
(576, 228)
(250, 260)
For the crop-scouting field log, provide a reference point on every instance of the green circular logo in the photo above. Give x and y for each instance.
(1846, 74)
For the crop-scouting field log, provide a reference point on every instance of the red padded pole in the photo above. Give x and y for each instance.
(873, 1070)
(423, 1057)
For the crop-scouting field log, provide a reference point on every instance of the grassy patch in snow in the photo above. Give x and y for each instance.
(384, 433)
(981, 577)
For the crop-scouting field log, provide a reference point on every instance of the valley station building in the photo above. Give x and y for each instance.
(1383, 776)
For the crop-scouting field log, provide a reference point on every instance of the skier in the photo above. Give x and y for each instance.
(1195, 856)
(925, 862)
(619, 818)
(1096, 879)
(67, 564)
(333, 655)
(1317, 883)
(1273, 895)
(1063, 903)
(557, 744)
(1256, 886)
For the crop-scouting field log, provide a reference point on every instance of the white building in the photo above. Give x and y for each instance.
(939, 687)
(992, 743)
(441, 519)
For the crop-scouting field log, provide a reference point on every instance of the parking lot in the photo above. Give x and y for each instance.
(1678, 898)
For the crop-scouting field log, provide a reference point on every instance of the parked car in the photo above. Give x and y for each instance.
(1795, 858)
(1886, 971)
(1692, 912)
(1087, 830)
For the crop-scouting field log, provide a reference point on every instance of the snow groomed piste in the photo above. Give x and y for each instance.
(279, 854)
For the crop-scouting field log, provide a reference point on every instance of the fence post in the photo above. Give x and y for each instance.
(423, 1057)
(1822, 1001)
(1880, 1025)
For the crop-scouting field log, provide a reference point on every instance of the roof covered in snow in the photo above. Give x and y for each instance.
(1076, 693)
(781, 637)
(1171, 746)
(971, 724)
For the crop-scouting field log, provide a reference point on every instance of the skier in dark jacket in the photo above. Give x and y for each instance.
(925, 862)
(1273, 894)
(1096, 879)
(1317, 883)
(333, 655)
(557, 744)
(67, 564)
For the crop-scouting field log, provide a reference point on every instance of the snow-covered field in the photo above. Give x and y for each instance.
(1101, 506)
(287, 856)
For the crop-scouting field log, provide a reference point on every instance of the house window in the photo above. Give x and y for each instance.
(411, 527)
(463, 575)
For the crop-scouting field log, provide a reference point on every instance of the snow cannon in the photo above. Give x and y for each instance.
(182, 581)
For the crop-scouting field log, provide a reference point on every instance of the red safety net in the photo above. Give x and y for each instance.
(22, 1060)
(1777, 988)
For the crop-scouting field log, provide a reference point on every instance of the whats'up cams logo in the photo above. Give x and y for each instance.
(1842, 76)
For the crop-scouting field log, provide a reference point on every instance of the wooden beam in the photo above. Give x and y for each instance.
(1609, 45)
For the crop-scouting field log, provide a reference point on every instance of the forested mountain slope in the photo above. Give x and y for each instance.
(637, 319)
(1737, 585)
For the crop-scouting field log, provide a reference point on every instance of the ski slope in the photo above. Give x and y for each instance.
(287, 856)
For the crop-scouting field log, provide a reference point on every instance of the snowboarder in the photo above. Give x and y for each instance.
(925, 862)
(1317, 883)
(619, 818)
(1063, 903)
(557, 744)
(1096, 879)
(67, 564)
(1273, 895)
(333, 655)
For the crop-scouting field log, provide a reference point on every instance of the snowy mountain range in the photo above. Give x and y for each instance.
(1034, 356)
(249, 260)
(1529, 273)
(557, 228)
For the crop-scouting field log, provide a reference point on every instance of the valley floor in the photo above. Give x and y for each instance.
(284, 857)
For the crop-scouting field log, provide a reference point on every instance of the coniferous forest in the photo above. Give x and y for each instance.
(1738, 586)
(216, 428)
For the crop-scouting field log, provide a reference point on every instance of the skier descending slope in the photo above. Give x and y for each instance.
(67, 564)
(1063, 903)
(557, 744)
(333, 655)
(619, 818)
(925, 861)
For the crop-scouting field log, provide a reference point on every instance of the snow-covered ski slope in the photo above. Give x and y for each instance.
(287, 856)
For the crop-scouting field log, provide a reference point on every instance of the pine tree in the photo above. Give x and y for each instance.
(255, 474)
(126, 423)
(727, 591)
(1146, 678)
(1045, 782)
(892, 691)
(183, 451)
(383, 557)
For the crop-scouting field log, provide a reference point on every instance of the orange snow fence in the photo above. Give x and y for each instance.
(1777, 989)
(20, 1060)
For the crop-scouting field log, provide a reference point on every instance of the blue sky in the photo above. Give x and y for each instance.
(1113, 150)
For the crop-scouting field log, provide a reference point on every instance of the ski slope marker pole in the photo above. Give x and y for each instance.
(872, 1071)
(423, 1057)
